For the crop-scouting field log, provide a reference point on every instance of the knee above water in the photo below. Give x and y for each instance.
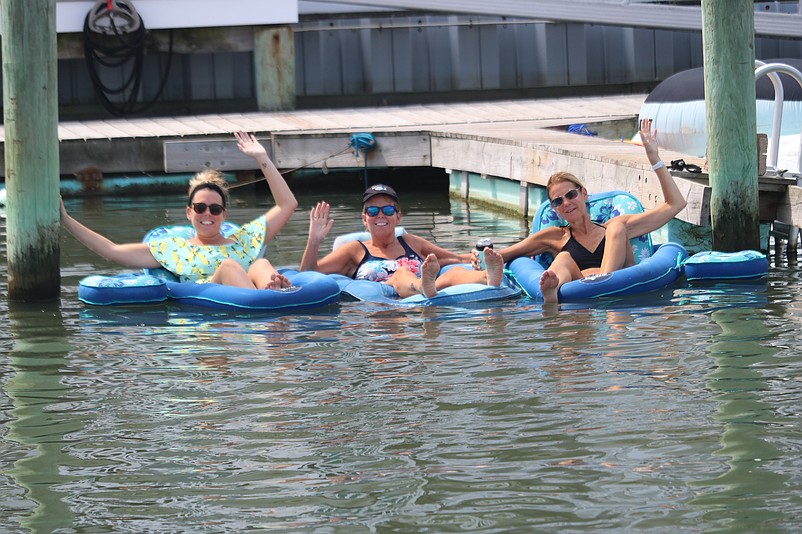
(229, 264)
(615, 228)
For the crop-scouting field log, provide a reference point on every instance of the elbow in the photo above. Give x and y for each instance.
(676, 205)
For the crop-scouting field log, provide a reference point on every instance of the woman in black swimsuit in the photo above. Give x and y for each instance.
(409, 264)
(583, 247)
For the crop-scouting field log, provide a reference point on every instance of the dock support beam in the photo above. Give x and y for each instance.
(30, 109)
(728, 40)
(274, 68)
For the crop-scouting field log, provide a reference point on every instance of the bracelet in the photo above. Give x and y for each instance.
(658, 165)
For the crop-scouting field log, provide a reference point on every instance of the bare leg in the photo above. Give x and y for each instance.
(617, 249)
(563, 269)
(495, 267)
(549, 285)
(278, 281)
(459, 275)
(231, 273)
(429, 270)
(406, 283)
(263, 275)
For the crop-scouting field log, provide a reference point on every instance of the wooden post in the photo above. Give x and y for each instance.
(274, 67)
(728, 39)
(30, 109)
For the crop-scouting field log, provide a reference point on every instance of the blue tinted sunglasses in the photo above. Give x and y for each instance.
(372, 211)
(556, 202)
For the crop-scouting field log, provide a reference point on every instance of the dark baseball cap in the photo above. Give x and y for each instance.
(379, 189)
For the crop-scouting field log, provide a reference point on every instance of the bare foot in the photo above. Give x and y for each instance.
(429, 270)
(278, 281)
(549, 284)
(495, 267)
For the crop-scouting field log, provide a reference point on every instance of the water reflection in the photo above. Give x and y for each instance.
(677, 409)
(38, 422)
(741, 494)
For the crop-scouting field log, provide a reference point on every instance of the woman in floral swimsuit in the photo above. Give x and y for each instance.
(408, 263)
(209, 256)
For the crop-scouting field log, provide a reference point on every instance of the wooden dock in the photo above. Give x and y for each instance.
(522, 141)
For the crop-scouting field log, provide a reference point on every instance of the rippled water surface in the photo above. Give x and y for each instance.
(675, 411)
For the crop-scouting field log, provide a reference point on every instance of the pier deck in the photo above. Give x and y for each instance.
(523, 141)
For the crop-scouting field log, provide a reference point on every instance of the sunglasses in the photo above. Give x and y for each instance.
(372, 211)
(556, 202)
(200, 207)
(680, 165)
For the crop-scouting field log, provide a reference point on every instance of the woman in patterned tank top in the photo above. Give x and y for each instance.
(208, 256)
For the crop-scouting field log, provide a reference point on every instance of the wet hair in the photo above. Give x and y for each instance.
(562, 176)
(208, 179)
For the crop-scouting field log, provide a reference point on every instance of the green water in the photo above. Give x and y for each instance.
(675, 411)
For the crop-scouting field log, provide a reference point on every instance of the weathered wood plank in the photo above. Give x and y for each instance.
(533, 163)
(392, 150)
(517, 140)
(220, 154)
(294, 152)
(789, 208)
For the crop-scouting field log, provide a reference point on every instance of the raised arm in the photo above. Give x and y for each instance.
(673, 201)
(129, 255)
(319, 226)
(286, 203)
(342, 260)
(548, 239)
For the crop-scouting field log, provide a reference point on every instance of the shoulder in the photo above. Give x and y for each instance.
(419, 245)
(412, 240)
(551, 233)
(552, 238)
(164, 242)
(259, 222)
(352, 249)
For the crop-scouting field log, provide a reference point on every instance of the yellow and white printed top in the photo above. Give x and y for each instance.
(197, 263)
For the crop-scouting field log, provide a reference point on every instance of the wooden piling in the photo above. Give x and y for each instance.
(728, 28)
(30, 109)
(274, 67)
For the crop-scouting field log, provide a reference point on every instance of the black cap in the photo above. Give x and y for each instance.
(379, 189)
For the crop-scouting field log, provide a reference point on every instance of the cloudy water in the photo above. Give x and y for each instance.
(673, 411)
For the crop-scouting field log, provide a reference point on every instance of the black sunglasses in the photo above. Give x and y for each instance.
(372, 211)
(680, 165)
(556, 202)
(200, 207)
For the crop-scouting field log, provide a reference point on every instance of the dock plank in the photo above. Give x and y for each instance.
(523, 140)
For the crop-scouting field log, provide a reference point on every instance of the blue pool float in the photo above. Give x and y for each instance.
(714, 266)
(655, 268)
(127, 288)
(459, 295)
(310, 289)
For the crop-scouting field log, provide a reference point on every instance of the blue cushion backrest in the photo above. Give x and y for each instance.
(180, 230)
(602, 207)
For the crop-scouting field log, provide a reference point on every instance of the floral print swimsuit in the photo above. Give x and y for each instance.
(197, 263)
(380, 269)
